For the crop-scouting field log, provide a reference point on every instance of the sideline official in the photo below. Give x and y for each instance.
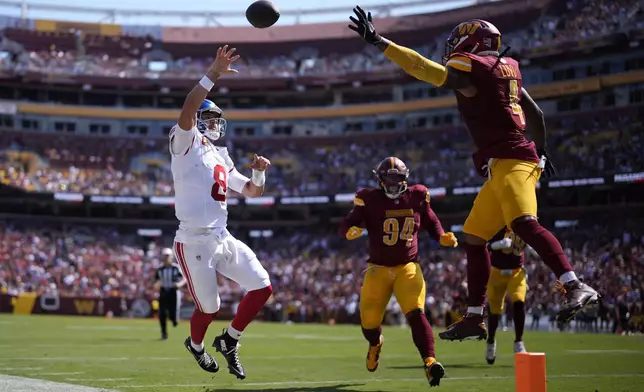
(169, 281)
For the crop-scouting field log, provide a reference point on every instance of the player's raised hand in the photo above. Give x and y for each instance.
(363, 25)
(222, 62)
(260, 163)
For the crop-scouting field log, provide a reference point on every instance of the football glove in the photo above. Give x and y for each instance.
(354, 232)
(546, 164)
(364, 26)
(448, 240)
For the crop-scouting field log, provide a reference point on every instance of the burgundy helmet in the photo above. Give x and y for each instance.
(392, 176)
(474, 36)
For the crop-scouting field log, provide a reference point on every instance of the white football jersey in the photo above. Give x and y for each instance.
(202, 174)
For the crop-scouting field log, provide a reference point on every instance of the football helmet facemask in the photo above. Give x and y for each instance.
(210, 120)
(392, 174)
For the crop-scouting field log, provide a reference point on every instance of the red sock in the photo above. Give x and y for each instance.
(544, 243)
(478, 273)
(372, 335)
(422, 333)
(249, 306)
(199, 323)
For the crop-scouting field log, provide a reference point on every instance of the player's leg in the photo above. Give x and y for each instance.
(200, 272)
(516, 188)
(484, 221)
(517, 288)
(496, 290)
(377, 287)
(242, 266)
(409, 289)
(172, 306)
(163, 311)
(177, 308)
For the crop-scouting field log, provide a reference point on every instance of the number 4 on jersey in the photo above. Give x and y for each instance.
(218, 190)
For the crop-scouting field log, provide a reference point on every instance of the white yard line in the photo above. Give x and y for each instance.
(367, 380)
(23, 384)
(183, 358)
(98, 379)
(605, 351)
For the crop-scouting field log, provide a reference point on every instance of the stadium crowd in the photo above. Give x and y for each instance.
(579, 19)
(317, 275)
(586, 146)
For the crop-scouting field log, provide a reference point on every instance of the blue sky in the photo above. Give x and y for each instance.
(212, 6)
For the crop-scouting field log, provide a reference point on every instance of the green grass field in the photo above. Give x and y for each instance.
(127, 355)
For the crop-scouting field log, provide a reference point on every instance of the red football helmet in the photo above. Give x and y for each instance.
(474, 36)
(392, 176)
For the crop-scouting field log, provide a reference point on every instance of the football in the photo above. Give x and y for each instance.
(262, 14)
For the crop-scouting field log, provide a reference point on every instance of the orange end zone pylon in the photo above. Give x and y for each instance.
(530, 369)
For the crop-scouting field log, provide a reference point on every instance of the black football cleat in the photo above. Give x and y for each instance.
(205, 360)
(228, 347)
(470, 327)
(434, 372)
(578, 295)
(164, 336)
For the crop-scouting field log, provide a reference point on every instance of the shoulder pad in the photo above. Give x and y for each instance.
(421, 191)
(361, 197)
(461, 62)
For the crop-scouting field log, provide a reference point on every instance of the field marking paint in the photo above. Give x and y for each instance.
(58, 374)
(97, 379)
(183, 358)
(109, 327)
(246, 336)
(21, 346)
(19, 368)
(295, 383)
(23, 384)
(605, 351)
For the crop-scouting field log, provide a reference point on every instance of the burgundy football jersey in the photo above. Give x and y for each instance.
(494, 116)
(393, 224)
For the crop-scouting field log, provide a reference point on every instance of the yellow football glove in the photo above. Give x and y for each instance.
(354, 232)
(448, 240)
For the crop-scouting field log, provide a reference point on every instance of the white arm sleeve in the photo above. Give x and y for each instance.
(181, 140)
(237, 181)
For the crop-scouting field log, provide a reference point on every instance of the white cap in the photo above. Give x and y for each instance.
(166, 252)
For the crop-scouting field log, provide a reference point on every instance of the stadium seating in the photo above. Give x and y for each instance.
(96, 165)
(316, 275)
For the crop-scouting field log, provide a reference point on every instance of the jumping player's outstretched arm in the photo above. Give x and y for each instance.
(535, 120)
(181, 139)
(409, 60)
(536, 124)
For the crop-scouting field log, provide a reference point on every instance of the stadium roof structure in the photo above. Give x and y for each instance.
(116, 16)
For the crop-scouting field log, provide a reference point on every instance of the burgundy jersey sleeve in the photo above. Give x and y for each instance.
(494, 116)
(357, 215)
(428, 219)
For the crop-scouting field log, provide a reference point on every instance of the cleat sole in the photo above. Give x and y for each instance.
(435, 373)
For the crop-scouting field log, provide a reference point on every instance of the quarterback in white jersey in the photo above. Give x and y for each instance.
(203, 173)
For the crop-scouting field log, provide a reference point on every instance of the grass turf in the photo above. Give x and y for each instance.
(127, 355)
